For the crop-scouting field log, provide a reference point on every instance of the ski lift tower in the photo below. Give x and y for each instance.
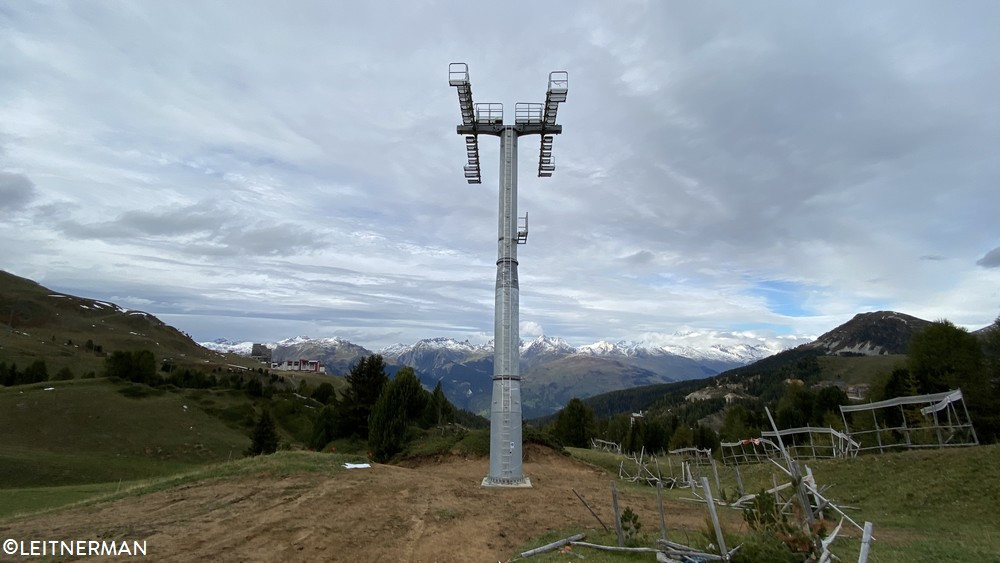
(487, 119)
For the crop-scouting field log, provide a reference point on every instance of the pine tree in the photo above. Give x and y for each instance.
(574, 426)
(264, 439)
(401, 401)
(438, 410)
(323, 429)
(366, 380)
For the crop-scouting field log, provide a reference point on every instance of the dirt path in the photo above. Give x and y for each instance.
(432, 512)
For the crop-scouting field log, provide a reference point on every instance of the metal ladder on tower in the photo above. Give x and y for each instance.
(507, 449)
(506, 457)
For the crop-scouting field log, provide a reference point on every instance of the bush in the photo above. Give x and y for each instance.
(474, 443)
(532, 435)
(765, 546)
(64, 374)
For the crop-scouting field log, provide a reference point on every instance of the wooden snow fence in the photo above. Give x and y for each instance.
(807, 442)
(923, 421)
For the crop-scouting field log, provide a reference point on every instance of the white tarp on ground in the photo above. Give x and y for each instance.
(357, 465)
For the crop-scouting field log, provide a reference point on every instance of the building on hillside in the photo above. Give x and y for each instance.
(314, 366)
(260, 353)
(857, 392)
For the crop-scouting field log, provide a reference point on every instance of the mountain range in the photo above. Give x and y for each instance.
(553, 370)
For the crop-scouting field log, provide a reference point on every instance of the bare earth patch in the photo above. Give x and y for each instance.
(433, 511)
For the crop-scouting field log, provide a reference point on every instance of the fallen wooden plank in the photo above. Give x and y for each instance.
(552, 546)
(614, 548)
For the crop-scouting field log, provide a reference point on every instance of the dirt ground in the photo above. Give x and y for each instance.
(434, 511)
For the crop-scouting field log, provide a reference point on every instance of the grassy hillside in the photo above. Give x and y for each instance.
(859, 369)
(89, 431)
(37, 323)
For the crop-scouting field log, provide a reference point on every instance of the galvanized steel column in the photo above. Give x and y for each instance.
(505, 411)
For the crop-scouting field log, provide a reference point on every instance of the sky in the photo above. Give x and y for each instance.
(727, 172)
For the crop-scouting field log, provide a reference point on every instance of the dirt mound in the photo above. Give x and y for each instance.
(436, 511)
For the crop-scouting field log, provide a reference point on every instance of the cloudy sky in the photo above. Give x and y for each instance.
(257, 170)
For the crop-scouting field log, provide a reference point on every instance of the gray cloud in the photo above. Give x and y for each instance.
(16, 191)
(991, 259)
(639, 257)
(201, 229)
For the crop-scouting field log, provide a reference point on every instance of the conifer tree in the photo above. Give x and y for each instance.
(264, 439)
(366, 380)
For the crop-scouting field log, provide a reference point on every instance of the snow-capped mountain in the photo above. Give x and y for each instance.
(728, 353)
(552, 370)
(230, 347)
(543, 349)
(449, 349)
(434, 353)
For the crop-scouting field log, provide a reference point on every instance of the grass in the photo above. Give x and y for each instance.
(33, 500)
(36, 499)
(87, 431)
(596, 537)
(858, 369)
(446, 440)
(926, 505)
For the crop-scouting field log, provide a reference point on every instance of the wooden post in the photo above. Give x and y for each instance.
(815, 499)
(793, 470)
(715, 517)
(618, 516)
(659, 502)
(878, 433)
(937, 429)
(601, 522)
(906, 429)
(866, 542)
(715, 470)
(800, 490)
(552, 546)
(967, 417)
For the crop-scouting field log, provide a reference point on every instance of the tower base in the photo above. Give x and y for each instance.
(522, 483)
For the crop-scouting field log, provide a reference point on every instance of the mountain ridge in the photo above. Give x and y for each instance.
(552, 370)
